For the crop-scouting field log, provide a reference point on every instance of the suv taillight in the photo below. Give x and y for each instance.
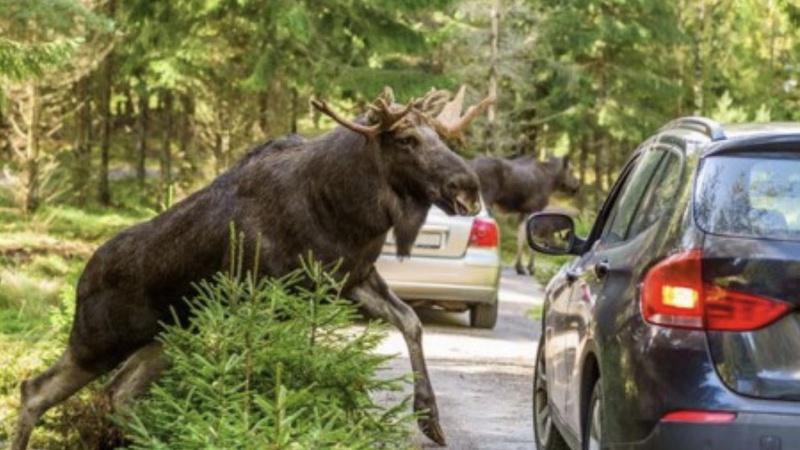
(674, 294)
(484, 233)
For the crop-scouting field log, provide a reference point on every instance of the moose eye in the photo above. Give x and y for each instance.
(407, 141)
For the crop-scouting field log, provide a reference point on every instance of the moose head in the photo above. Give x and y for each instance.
(565, 179)
(418, 164)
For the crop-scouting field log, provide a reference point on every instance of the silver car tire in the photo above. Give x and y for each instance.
(483, 315)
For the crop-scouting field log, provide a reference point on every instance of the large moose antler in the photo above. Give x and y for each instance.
(381, 112)
(450, 123)
(444, 115)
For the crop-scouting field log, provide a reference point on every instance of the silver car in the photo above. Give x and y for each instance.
(454, 265)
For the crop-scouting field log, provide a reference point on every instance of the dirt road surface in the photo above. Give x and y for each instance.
(482, 378)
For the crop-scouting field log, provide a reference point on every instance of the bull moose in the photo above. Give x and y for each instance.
(335, 196)
(523, 186)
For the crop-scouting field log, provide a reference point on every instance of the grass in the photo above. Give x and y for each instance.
(41, 258)
(42, 255)
(535, 313)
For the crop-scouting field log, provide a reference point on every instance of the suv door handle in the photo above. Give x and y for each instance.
(601, 268)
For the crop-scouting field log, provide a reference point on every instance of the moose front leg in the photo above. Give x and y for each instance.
(522, 242)
(376, 299)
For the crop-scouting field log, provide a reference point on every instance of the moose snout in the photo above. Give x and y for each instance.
(464, 189)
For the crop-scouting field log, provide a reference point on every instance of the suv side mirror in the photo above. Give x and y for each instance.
(551, 233)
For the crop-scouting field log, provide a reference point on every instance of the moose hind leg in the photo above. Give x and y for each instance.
(375, 297)
(42, 392)
(136, 375)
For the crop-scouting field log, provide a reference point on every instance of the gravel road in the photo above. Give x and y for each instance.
(482, 378)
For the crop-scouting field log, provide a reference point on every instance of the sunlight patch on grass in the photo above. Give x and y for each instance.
(27, 295)
(93, 226)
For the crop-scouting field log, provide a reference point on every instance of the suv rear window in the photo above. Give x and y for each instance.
(750, 195)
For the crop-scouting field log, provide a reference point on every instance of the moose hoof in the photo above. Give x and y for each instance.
(521, 270)
(432, 429)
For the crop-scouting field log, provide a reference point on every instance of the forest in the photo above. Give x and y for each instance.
(94, 91)
(112, 110)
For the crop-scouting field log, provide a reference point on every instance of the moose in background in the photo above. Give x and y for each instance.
(523, 186)
(335, 196)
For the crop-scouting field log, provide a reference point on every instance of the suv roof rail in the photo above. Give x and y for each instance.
(705, 125)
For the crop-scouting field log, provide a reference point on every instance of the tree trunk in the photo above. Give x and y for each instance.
(187, 139)
(698, 88)
(166, 151)
(294, 110)
(599, 157)
(141, 147)
(583, 165)
(263, 113)
(491, 147)
(104, 192)
(218, 155)
(605, 169)
(32, 156)
(82, 145)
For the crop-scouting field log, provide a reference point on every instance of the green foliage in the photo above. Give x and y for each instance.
(270, 364)
(40, 34)
(19, 61)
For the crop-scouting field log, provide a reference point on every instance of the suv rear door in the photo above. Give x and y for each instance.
(606, 288)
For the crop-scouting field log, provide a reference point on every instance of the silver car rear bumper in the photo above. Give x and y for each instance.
(473, 278)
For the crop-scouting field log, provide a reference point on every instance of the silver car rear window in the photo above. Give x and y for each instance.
(750, 195)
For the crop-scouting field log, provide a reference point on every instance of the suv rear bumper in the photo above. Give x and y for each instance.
(748, 431)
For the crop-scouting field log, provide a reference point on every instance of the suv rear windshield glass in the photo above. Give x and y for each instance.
(750, 195)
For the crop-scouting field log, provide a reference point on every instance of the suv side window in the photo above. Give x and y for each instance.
(624, 211)
(659, 196)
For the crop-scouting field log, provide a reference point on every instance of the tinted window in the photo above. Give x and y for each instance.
(660, 195)
(625, 209)
(752, 196)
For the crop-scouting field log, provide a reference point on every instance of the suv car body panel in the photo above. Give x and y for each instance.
(741, 388)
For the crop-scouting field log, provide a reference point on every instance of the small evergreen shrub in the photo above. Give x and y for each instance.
(270, 364)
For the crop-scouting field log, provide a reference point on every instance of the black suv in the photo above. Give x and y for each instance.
(677, 324)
